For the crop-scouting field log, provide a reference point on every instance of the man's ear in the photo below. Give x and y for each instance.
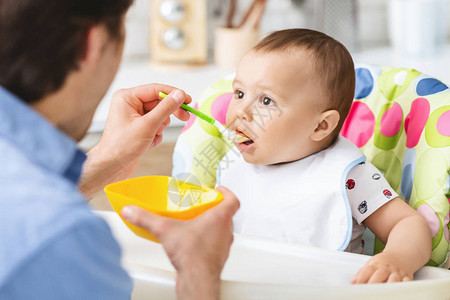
(328, 121)
(96, 37)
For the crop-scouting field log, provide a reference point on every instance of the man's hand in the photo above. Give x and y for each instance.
(135, 123)
(137, 119)
(197, 248)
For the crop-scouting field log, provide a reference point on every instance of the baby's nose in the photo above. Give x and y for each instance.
(245, 112)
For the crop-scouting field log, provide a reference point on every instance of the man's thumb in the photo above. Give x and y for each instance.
(165, 108)
(154, 224)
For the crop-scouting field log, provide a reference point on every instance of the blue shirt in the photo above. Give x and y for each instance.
(51, 244)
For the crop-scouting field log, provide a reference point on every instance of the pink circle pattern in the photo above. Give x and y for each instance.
(446, 233)
(443, 123)
(391, 121)
(415, 121)
(359, 125)
(219, 107)
(430, 216)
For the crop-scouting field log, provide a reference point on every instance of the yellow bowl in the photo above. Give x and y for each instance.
(161, 195)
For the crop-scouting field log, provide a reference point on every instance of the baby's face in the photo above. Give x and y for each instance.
(275, 104)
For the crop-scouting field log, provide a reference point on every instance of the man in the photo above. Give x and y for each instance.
(57, 59)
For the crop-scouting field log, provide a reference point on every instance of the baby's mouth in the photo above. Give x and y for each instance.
(245, 139)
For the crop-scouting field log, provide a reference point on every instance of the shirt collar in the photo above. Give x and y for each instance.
(38, 139)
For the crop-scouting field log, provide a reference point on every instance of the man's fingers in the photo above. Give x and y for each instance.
(230, 203)
(156, 225)
(163, 126)
(182, 115)
(165, 108)
(150, 92)
(156, 141)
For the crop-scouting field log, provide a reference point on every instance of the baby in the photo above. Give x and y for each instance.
(298, 180)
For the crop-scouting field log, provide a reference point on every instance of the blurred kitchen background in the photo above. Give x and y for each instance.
(192, 43)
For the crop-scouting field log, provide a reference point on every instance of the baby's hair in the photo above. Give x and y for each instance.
(332, 61)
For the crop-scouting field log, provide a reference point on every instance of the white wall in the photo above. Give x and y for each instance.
(373, 26)
(374, 23)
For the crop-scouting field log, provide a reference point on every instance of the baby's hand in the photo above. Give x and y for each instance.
(383, 267)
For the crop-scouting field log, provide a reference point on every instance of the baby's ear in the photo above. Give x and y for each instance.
(328, 121)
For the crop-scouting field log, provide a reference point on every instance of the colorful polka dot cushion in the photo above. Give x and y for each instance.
(400, 119)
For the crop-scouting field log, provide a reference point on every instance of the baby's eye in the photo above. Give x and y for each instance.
(267, 101)
(239, 94)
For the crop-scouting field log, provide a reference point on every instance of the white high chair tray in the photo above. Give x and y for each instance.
(264, 269)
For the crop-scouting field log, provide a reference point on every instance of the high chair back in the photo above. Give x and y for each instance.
(400, 119)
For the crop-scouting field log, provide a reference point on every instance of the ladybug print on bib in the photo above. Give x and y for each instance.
(387, 193)
(350, 184)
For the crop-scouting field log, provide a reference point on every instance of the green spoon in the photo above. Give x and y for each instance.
(230, 135)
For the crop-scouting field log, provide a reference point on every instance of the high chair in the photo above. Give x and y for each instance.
(400, 119)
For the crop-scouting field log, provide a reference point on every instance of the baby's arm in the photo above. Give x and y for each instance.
(408, 244)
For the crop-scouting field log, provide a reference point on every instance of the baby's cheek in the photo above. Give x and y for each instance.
(230, 116)
(227, 118)
(272, 141)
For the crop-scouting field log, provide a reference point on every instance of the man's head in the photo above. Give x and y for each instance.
(293, 92)
(44, 40)
(55, 46)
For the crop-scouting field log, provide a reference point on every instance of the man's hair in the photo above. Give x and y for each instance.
(332, 61)
(42, 41)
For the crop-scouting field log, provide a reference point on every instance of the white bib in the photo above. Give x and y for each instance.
(301, 202)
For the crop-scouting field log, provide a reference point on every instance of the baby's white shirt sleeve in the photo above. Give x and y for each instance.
(367, 190)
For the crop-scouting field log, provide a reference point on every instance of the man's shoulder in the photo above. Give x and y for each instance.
(38, 201)
(22, 177)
